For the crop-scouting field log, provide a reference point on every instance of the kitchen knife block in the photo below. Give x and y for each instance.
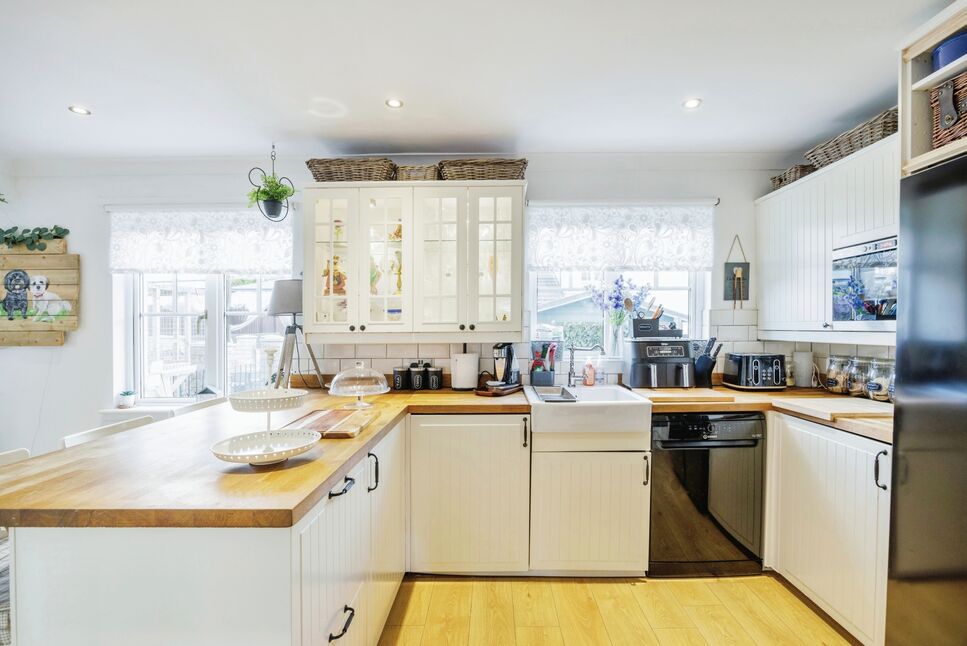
(704, 365)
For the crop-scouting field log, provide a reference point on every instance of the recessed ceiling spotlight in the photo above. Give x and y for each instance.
(395, 104)
(692, 104)
(79, 109)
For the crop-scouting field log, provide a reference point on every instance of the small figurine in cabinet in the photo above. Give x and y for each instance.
(335, 278)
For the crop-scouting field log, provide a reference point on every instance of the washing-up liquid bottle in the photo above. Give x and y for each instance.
(589, 372)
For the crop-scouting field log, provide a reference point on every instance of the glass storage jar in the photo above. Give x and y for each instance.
(878, 379)
(836, 374)
(892, 388)
(859, 367)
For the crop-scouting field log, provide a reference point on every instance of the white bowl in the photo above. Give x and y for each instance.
(268, 399)
(265, 447)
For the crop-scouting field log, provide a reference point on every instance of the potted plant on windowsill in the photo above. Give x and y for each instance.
(126, 399)
(271, 194)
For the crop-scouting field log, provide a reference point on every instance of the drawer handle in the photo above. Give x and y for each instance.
(350, 483)
(525, 432)
(473, 327)
(376, 458)
(345, 626)
(647, 471)
(876, 470)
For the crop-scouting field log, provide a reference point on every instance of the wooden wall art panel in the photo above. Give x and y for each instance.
(39, 294)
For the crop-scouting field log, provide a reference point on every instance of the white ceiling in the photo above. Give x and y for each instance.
(227, 77)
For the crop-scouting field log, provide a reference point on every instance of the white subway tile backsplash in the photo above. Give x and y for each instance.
(345, 364)
(721, 317)
(434, 351)
(748, 346)
(842, 349)
(746, 317)
(875, 351)
(401, 350)
(329, 366)
(340, 351)
(779, 347)
(371, 351)
(442, 363)
(733, 333)
(385, 366)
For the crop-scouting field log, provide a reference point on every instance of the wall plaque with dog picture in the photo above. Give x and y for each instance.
(39, 293)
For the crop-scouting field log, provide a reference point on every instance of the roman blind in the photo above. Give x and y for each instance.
(199, 241)
(620, 238)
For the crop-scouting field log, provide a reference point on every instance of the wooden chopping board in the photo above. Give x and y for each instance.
(687, 395)
(833, 408)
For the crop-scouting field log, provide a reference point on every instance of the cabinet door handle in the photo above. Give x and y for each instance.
(345, 626)
(473, 327)
(349, 484)
(826, 325)
(647, 471)
(876, 470)
(352, 328)
(525, 432)
(463, 327)
(362, 328)
(376, 458)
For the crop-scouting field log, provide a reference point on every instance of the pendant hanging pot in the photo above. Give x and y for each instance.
(272, 208)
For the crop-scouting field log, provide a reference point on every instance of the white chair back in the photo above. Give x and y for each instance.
(191, 408)
(15, 455)
(103, 431)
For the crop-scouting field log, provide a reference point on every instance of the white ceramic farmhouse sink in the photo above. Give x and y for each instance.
(591, 411)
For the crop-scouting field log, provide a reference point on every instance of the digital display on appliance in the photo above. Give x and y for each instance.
(664, 351)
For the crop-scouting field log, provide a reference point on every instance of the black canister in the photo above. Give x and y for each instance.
(417, 377)
(434, 378)
(401, 378)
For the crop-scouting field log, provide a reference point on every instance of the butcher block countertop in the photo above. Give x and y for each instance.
(164, 475)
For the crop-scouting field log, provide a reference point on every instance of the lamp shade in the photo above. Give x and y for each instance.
(286, 297)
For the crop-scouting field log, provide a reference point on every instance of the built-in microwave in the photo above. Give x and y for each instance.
(865, 286)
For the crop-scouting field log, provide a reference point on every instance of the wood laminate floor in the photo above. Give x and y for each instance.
(761, 611)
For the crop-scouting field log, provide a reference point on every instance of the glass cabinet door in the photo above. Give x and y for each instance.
(496, 221)
(441, 259)
(386, 221)
(332, 288)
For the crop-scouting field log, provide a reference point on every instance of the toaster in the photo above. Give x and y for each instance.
(754, 371)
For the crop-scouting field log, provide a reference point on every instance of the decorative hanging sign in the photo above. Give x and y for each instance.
(39, 290)
(271, 193)
(736, 276)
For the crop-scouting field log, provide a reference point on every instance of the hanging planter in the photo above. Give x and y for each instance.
(271, 193)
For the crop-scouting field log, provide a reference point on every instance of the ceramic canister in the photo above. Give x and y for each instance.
(401, 378)
(434, 378)
(417, 377)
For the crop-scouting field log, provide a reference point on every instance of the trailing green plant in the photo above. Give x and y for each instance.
(271, 189)
(34, 239)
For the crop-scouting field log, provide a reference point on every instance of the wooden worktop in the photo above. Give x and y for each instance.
(164, 475)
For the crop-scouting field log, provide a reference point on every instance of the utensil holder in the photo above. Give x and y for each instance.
(542, 378)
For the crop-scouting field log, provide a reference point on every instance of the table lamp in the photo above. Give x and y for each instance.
(286, 300)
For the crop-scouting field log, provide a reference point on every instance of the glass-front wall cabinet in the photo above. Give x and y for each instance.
(440, 258)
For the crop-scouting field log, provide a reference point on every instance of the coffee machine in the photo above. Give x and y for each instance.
(506, 368)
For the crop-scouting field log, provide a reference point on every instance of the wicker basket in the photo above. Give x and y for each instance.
(791, 175)
(489, 168)
(879, 127)
(958, 126)
(404, 173)
(352, 170)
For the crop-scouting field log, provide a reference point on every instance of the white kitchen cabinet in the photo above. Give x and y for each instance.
(434, 260)
(590, 511)
(357, 248)
(386, 487)
(865, 197)
(829, 512)
(332, 548)
(469, 502)
(851, 201)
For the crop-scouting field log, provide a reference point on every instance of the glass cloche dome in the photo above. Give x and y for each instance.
(358, 382)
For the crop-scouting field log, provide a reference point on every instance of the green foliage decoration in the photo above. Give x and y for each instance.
(34, 239)
(271, 189)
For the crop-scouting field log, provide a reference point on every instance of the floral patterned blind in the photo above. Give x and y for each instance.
(620, 238)
(197, 241)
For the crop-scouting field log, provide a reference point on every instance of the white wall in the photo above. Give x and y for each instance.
(50, 392)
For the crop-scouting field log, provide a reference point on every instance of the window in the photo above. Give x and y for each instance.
(191, 293)
(657, 256)
(180, 352)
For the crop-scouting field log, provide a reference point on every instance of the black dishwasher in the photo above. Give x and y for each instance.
(707, 494)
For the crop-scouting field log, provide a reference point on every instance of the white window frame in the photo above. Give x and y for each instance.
(128, 344)
(699, 283)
